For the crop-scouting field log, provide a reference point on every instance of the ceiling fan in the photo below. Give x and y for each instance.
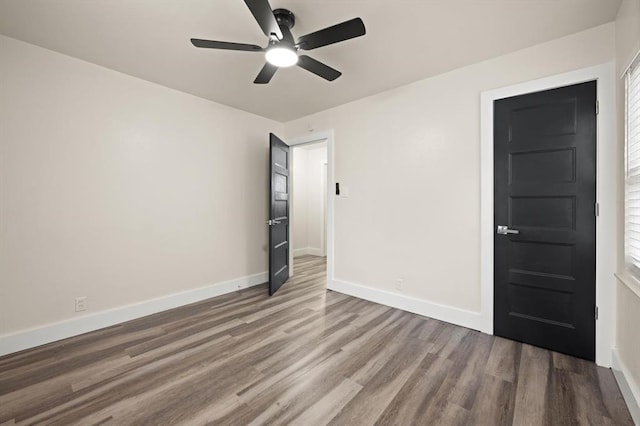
(282, 50)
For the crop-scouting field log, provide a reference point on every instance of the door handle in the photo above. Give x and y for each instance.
(504, 230)
(272, 222)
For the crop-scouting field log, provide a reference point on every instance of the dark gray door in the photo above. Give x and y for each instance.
(545, 194)
(278, 214)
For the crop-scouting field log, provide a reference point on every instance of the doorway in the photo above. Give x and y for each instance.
(327, 136)
(545, 218)
(606, 221)
(309, 203)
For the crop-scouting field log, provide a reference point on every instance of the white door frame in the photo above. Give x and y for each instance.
(328, 136)
(606, 196)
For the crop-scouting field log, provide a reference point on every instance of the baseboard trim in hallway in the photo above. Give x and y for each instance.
(26, 339)
(452, 315)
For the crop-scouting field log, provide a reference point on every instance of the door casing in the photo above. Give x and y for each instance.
(606, 196)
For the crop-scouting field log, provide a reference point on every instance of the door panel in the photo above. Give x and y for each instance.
(278, 213)
(545, 165)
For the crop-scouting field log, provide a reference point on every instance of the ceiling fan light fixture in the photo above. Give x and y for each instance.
(281, 56)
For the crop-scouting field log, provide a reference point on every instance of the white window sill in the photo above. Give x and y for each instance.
(630, 281)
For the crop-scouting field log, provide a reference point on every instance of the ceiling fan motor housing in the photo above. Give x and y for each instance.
(285, 18)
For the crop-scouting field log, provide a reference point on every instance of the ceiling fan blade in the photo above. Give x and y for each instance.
(211, 44)
(318, 68)
(261, 10)
(265, 74)
(334, 34)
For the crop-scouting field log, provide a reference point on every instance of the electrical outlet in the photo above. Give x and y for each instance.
(81, 304)
(399, 283)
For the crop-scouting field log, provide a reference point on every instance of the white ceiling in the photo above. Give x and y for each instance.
(407, 40)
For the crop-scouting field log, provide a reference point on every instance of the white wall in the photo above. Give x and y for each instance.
(118, 189)
(628, 291)
(627, 33)
(410, 158)
(309, 200)
(300, 183)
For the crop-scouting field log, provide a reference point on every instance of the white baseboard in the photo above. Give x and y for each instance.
(425, 308)
(30, 338)
(299, 252)
(312, 251)
(628, 386)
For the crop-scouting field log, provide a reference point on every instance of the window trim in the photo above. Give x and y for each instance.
(632, 267)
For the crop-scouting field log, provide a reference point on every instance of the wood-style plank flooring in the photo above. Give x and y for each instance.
(305, 356)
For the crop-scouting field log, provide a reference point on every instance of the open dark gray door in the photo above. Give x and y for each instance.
(278, 214)
(545, 194)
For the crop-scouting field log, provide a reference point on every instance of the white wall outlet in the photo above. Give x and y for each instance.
(81, 304)
(399, 284)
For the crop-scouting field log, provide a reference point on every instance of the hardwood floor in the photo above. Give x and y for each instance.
(306, 356)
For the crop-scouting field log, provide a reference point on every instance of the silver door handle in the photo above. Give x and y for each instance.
(272, 222)
(504, 230)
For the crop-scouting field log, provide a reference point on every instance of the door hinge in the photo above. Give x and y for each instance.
(596, 313)
(597, 107)
(597, 209)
